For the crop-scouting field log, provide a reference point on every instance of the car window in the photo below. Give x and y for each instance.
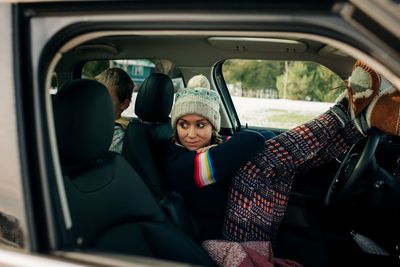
(138, 70)
(280, 94)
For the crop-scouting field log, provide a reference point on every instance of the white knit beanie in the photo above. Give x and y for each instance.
(200, 101)
(198, 81)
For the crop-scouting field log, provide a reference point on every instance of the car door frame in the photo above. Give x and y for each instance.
(36, 55)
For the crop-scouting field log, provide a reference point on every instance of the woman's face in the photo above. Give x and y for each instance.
(194, 131)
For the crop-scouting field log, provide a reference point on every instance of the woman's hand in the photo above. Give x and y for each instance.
(204, 149)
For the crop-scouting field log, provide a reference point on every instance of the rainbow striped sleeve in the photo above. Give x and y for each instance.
(203, 170)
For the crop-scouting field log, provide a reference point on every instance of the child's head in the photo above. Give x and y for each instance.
(195, 116)
(120, 86)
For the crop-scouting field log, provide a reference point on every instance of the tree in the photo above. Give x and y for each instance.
(329, 83)
(309, 81)
(252, 74)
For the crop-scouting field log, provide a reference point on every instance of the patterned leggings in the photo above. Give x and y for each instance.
(259, 191)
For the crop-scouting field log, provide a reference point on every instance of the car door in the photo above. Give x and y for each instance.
(40, 33)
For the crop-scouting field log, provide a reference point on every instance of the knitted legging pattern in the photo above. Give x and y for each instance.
(259, 191)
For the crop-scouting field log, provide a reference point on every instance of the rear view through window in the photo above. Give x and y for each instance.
(138, 70)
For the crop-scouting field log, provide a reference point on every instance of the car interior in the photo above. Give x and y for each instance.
(121, 204)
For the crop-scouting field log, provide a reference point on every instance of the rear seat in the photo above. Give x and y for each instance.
(142, 142)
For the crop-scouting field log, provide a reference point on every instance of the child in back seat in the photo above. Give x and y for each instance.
(120, 86)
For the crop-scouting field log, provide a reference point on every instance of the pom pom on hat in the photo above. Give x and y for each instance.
(197, 99)
(199, 81)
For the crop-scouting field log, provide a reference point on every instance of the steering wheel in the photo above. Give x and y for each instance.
(353, 169)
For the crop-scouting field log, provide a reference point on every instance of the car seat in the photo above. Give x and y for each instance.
(111, 208)
(150, 130)
(144, 139)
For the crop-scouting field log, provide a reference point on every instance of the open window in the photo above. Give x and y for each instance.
(280, 94)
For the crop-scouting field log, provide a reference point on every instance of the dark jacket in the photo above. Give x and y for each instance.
(203, 179)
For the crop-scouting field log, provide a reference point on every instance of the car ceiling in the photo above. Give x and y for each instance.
(200, 51)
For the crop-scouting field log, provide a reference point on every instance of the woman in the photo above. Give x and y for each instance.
(120, 86)
(239, 190)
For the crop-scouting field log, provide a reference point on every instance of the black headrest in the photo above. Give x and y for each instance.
(155, 98)
(84, 119)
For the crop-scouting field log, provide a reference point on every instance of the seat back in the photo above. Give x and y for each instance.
(140, 150)
(111, 208)
(145, 135)
(144, 138)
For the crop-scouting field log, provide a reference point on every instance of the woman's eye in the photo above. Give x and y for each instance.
(183, 125)
(201, 125)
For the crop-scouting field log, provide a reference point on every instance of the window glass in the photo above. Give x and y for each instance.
(138, 70)
(280, 94)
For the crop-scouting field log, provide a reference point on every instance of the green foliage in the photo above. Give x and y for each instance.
(253, 74)
(297, 80)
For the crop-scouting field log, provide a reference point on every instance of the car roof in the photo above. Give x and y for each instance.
(210, 49)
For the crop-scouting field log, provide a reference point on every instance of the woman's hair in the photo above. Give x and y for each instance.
(215, 137)
(119, 80)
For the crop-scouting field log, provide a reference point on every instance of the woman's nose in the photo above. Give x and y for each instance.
(191, 132)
